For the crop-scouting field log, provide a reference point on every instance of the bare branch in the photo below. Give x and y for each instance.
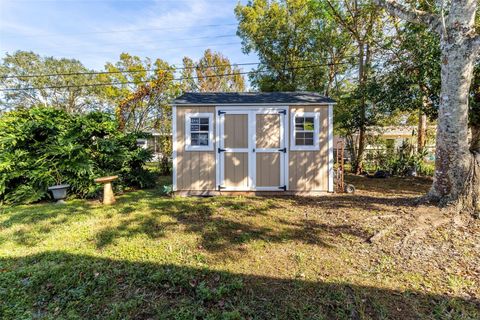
(346, 25)
(429, 20)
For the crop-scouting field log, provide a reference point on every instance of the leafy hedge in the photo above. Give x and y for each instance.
(41, 147)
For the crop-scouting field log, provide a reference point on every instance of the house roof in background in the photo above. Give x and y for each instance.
(251, 98)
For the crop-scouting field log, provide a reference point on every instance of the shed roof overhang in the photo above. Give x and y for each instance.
(251, 98)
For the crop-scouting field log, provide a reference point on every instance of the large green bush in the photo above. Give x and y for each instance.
(41, 147)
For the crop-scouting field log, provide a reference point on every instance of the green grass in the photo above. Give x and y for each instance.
(156, 257)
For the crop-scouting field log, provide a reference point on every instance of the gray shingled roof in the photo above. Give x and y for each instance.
(251, 98)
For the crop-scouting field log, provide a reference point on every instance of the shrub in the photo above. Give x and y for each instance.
(405, 162)
(41, 147)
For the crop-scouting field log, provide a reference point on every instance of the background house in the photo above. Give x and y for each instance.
(154, 143)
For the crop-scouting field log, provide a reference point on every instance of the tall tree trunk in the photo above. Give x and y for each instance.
(358, 165)
(457, 164)
(457, 168)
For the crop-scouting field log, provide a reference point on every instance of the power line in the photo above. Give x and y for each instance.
(120, 71)
(132, 71)
(147, 81)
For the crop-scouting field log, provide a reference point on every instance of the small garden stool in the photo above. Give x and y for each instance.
(108, 197)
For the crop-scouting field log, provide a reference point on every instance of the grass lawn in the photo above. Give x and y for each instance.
(156, 257)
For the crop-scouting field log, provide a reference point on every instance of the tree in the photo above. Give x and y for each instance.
(363, 23)
(457, 164)
(141, 91)
(34, 81)
(409, 77)
(212, 73)
(299, 47)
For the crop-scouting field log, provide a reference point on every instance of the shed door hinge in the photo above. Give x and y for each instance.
(220, 187)
(221, 112)
(221, 150)
(284, 150)
(284, 188)
(282, 111)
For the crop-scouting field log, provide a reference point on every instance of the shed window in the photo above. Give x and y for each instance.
(199, 131)
(305, 130)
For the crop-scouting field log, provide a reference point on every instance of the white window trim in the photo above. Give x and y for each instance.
(188, 145)
(316, 131)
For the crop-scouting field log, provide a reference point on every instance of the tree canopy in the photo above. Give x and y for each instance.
(62, 83)
(213, 72)
(299, 47)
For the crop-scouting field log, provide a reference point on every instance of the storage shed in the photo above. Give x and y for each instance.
(274, 142)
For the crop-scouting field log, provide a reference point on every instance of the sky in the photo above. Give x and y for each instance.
(97, 31)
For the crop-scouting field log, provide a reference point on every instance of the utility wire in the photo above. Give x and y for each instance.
(18, 76)
(119, 71)
(148, 81)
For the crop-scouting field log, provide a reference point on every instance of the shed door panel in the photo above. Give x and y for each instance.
(269, 157)
(268, 169)
(236, 170)
(236, 131)
(267, 131)
(235, 154)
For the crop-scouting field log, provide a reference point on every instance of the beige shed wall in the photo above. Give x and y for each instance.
(195, 169)
(308, 170)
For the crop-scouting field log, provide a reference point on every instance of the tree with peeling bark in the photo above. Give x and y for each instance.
(457, 164)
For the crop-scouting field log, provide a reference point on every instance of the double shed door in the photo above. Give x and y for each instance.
(252, 149)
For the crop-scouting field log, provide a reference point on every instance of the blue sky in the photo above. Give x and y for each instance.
(96, 31)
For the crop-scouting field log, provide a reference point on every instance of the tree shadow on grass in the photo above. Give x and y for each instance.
(34, 222)
(223, 224)
(38, 213)
(62, 285)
